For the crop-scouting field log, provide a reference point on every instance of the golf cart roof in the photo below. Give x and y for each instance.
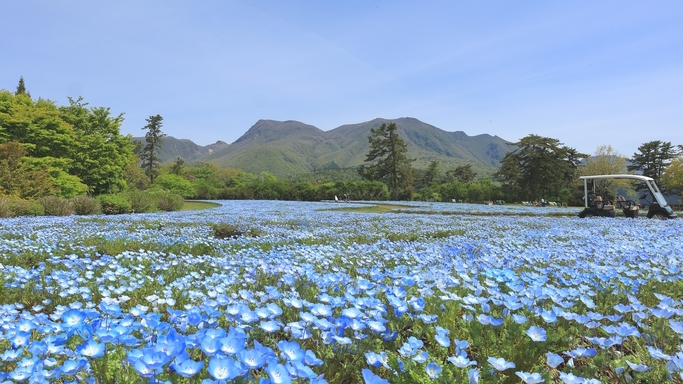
(621, 176)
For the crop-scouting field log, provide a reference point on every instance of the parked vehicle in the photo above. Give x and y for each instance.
(595, 206)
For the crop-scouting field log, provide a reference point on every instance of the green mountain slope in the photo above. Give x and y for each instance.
(173, 148)
(285, 148)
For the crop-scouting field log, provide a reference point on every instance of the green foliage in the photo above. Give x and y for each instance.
(150, 152)
(653, 158)
(178, 166)
(232, 231)
(168, 201)
(605, 161)
(21, 88)
(18, 177)
(101, 153)
(389, 161)
(463, 174)
(114, 204)
(134, 176)
(430, 175)
(85, 205)
(672, 178)
(176, 184)
(13, 207)
(56, 206)
(141, 201)
(541, 167)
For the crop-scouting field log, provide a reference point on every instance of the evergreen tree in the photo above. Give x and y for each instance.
(178, 166)
(390, 163)
(430, 175)
(653, 158)
(462, 173)
(540, 168)
(150, 153)
(21, 88)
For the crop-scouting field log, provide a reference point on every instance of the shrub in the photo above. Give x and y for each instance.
(56, 206)
(86, 205)
(114, 204)
(141, 201)
(167, 201)
(224, 231)
(13, 207)
(176, 184)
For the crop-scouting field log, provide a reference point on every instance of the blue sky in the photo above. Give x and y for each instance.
(587, 73)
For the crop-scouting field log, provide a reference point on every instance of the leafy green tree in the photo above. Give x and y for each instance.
(176, 184)
(653, 157)
(390, 162)
(540, 167)
(605, 161)
(65, 184)
(18, 178)
(150, 153)
(672, 178)
(462, 173)
(430, 175)
(38, 125)
(101, 153)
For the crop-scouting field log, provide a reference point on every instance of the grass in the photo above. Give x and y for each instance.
(374, 208)
(197, 205)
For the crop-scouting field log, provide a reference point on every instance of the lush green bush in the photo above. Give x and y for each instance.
(56, 206)
(176, 184)
(167, 201)
(114, 204)
(142, 201)
(13, 207)
(86, 205)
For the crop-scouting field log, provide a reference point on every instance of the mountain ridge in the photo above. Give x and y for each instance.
(289, 147)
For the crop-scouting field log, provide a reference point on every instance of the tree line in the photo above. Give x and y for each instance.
(76, 150)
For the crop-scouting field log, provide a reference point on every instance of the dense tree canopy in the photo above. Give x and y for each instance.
(605, 161)
(389, 161)
(541, 168)
(653, 157)
(81, 149)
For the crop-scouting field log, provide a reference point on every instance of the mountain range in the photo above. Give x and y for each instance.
(285, 148)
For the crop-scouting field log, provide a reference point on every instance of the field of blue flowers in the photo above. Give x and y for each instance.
(312, 295)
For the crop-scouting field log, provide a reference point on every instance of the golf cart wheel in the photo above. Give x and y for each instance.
(589, 215)
(659, 216)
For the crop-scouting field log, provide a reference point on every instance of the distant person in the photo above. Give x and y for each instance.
(336, 200)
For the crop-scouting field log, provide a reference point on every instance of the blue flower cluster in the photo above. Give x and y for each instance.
(154, 296)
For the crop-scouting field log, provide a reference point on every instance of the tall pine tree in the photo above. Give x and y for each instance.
(390, 164)
(150, 153)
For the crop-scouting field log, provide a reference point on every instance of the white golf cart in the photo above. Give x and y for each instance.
(594, 206)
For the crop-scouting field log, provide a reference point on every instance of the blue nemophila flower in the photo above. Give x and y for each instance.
(657, 353)
(519, 319)
(412, 346)
(252, 358)
(461, 361)
(188, 367)
(311, 359)
(91, 349)
(291, 350)
(433, 370)
(421, 357)
(536, 334)
(473, 376)
(530, 378)
(269, 326)
(569, 378)
(72, 367)
(638, 367)
(224, 368)
(371, 378)
(500, 364)
(581, 352)
(676, 326)
(278, 374)
(553, 359)
(74, 318)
